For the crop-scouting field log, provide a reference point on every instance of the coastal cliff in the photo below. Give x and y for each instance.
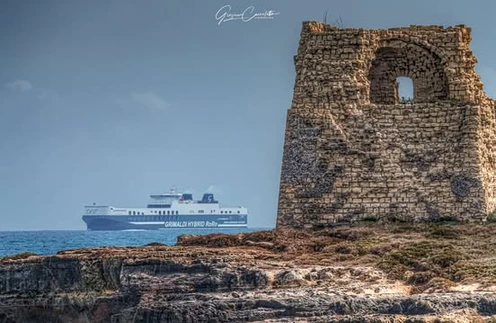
(361, 273)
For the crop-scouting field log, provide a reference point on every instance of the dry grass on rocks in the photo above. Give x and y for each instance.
(430, 257)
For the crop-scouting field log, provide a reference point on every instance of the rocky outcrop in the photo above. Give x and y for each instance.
(272, 276)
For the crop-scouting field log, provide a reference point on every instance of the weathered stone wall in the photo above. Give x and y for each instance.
(486, 119)
(353, 151)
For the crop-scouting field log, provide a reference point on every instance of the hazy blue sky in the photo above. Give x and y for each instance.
(109, 101)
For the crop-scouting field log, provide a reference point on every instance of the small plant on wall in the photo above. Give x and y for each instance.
(338, 22)
(491, 217)
(404, 100)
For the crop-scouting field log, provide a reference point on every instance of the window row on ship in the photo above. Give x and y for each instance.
(148, 218)
(177, 212)
(153, 218)
(160, 213)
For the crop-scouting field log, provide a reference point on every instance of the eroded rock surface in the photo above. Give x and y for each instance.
(332, 275)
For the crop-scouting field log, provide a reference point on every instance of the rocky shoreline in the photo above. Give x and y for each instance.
(330, 275)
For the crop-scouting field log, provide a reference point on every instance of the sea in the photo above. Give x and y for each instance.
(50, 242)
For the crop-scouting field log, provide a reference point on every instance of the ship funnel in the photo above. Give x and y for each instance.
(208, 198)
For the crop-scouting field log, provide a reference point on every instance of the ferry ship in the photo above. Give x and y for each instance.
(165, 211)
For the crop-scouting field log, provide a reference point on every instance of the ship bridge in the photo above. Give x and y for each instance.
(164, 200)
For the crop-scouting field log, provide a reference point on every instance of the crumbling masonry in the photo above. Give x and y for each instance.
(352, 151)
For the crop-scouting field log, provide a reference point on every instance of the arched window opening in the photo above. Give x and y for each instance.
(405, 89)
(393, 65)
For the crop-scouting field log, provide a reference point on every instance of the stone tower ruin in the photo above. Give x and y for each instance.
(354, 151)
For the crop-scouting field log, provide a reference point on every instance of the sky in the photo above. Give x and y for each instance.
(111, 101)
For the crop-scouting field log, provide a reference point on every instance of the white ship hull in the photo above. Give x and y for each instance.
(167, 211)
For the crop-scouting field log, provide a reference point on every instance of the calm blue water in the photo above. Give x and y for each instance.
(49, 242)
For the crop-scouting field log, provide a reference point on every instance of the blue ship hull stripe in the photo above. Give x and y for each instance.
(117, 222)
